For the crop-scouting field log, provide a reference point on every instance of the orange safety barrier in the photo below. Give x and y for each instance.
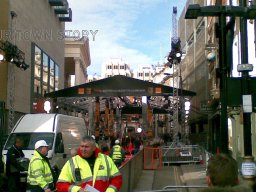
(152, 158)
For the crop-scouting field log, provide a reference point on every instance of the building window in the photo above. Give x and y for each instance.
(109, 67)
(146, 74)
(37, 71)
(57, 76)
(51, 73)
(46, 73)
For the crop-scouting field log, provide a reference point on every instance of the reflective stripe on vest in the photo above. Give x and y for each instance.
(117, 154)
(73, 162)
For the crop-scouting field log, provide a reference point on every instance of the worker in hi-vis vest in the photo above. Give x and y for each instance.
(89, 169)
(117, 153)
(40, 174)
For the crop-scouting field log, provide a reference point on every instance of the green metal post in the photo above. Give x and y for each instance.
(223, 145)
(245, 83)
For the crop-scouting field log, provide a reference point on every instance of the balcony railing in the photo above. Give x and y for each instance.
(62, 10)
(58, 2)
(66, 17)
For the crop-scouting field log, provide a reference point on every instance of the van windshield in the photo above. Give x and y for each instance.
(30, 139)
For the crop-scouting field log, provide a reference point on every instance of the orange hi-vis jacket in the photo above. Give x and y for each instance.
(106, 177)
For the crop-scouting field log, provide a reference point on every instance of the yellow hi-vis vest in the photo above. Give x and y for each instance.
(117, 152)
(39, 172)
(104, 169)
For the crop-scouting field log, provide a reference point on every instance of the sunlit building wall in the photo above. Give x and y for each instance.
(38, 31)
(115, 66)
(144, 73)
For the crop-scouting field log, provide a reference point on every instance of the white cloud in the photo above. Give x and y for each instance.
(114, 20)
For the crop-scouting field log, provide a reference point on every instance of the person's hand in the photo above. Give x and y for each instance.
(82, 190)
(47, 190)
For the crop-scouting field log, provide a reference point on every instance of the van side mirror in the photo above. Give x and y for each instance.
(59, 148)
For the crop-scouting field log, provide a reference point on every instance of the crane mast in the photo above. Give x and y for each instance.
(174, 58)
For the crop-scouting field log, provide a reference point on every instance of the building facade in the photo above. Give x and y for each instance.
(77, 59)
(194, 69)
(115, 66)
(35, 29)
(202, 64)
(144, 73)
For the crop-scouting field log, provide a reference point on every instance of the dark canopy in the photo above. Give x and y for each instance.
(118, 85)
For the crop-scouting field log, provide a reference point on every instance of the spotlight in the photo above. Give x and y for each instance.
(1, 57)
(178, 54)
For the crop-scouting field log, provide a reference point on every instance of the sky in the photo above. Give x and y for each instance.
(137, 31)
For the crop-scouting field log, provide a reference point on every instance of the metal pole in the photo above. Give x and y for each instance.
(223, 142)
(245, 83)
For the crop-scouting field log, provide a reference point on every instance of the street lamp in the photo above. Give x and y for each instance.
(139, 130)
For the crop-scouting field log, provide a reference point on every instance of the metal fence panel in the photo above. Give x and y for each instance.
(182, 154)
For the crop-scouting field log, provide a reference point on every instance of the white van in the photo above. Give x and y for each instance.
(63, 133)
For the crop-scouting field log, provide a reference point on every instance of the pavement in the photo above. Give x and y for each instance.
(194, 176)
(189, 176)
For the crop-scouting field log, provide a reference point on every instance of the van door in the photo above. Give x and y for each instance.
(59, 157)
(68, 137)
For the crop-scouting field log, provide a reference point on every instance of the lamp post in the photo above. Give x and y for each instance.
(194, 11)
(245, 86)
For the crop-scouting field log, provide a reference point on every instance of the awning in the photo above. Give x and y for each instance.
(118, 86)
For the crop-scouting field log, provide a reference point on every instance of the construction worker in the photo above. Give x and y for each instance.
(97, 145)
(40, 175)
(13, 168)
(117, 153)
(89, 169)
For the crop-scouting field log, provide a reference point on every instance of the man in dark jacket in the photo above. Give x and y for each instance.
(13, 168)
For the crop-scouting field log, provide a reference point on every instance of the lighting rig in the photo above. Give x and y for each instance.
(11, 53)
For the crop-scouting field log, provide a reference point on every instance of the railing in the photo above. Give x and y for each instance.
(182, 154)
(176, 188)
(131, 172)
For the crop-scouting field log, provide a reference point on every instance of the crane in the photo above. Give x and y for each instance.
(174, 59)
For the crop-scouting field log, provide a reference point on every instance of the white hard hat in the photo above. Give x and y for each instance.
(93, 136)
(117, 141)
(41, 143)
